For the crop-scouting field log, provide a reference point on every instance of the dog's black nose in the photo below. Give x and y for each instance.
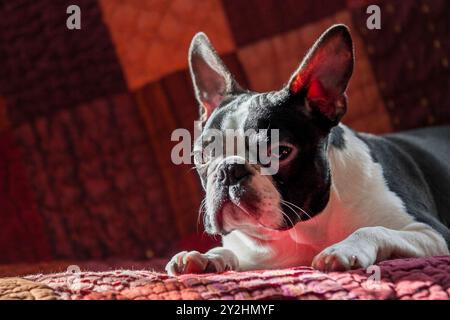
(231, 173)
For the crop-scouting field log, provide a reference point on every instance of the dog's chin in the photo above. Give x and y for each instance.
(260, 232)
(286, 226)
(232, 217)
(239, 217)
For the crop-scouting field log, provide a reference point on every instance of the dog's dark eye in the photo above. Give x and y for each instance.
(284, 152)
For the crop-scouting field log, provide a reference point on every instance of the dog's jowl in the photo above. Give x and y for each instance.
(340, 199)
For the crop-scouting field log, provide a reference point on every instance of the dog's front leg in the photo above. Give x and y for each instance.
(368, 245)
(215, 260)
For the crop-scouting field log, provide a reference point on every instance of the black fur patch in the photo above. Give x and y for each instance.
(337, 138)
(416, 166)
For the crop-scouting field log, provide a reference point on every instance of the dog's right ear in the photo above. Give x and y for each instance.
(212, 80)
(324, 73)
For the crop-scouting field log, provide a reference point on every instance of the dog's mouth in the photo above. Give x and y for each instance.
(235, 214)
(233, 217)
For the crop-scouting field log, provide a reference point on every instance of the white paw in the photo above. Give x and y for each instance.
(195, 262)
(345, 255)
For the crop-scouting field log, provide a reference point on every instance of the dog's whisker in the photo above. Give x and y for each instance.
(288, 205)
(295, 230)
(248, 214)
(200, 211)
(287, 216)
(299, 208)
(243, 209)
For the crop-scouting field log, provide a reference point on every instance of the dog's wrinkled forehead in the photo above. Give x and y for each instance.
(247, 111)
(231, 115)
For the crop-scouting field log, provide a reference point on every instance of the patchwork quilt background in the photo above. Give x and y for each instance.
(86, 115)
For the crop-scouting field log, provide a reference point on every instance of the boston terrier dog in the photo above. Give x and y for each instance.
(340, 200)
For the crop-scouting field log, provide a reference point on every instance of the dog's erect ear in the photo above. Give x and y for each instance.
(212, 81)
(324, 73)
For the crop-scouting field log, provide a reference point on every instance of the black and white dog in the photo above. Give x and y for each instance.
(340, 200)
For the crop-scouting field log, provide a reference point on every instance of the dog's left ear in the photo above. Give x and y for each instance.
(211, 78)
(324, 73)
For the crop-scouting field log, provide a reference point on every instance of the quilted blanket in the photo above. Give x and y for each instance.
(396, 279)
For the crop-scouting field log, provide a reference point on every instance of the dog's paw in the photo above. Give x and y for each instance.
(195, 262)
(345, 255)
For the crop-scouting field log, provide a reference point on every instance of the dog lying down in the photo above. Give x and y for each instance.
(340, 199)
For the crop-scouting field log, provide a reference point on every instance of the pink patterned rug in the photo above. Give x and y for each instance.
(398, 279)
